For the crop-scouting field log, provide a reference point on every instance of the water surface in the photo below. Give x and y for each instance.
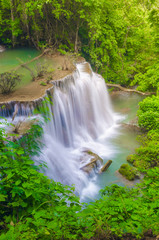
(12, 58)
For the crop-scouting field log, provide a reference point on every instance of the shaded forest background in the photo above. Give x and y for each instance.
(119, 38)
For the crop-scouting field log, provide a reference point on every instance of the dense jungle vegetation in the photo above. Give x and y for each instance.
(121, 41)
(119, 38)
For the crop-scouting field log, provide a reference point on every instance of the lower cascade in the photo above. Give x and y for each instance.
(80, 120)
(80, 117)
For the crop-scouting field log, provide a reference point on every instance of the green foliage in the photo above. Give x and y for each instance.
(49, 78)
(148, 113)
(123, 210)
(119, 38)
(8, 81)
(31, 205)
(43, 83)
(148, 81)
(35, 207)
(130, 158)
(147, 155)
(41, 69)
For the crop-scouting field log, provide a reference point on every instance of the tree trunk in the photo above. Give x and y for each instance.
(76, 38)
(12, 18)
(129, 90)
(25, 17)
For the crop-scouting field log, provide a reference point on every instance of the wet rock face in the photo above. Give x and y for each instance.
(94, 163)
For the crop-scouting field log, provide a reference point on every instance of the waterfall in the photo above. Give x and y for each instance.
(80, 117)
(81, 113)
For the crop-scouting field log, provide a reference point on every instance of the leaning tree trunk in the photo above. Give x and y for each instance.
(25, 21)
(12, 22)
(76, 38)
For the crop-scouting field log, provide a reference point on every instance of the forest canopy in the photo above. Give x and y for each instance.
(119, 38)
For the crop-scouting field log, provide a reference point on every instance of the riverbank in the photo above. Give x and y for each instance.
(62, 65)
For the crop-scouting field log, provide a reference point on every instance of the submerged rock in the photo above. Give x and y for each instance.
(125, 110)
(94, 162)
(129, 172)
(131, 127)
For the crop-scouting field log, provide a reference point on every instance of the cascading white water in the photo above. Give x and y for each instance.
(80, 115)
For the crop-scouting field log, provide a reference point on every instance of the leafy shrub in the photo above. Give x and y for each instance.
(49, 78)
(148, 113)
(130, 158)
(8, 81)
(35, 207)
(43, 83)
(123, 210)
(31, 205)
(41, 69)
(147, 155)
(148, 81)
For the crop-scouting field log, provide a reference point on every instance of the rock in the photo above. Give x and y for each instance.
(2, 48)
(20, 129)
(105, 167)
(131, 127)
(129, 172)
(95, 160)
(130, 158)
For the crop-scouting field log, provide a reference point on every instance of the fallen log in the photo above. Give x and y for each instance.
(129, 90)
(105, 167)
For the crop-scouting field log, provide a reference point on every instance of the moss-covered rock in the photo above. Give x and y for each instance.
(130, 158)
(128, 172)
